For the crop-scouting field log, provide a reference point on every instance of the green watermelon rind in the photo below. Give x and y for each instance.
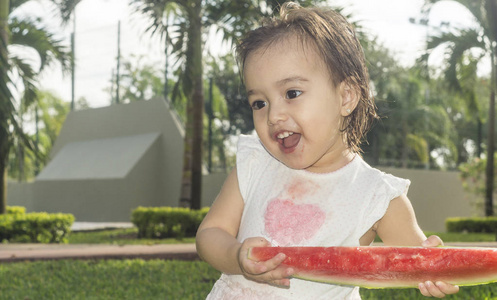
(364, 283)
(315, 279)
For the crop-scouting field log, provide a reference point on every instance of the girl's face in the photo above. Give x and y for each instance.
(297, 110)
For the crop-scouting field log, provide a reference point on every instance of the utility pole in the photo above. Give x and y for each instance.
(211, 116)
(118, 59)
(73, 65)
(166, 88)
(37, 145)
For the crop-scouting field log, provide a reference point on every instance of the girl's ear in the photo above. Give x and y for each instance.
(350, 98)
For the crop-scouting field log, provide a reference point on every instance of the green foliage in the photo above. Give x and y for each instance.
(51, 112)
(16, 210)
(138, 81)
(415, 121)
(473, 178)
(164, 222)
(487, 224)
(35, 227)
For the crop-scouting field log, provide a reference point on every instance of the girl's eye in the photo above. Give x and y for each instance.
(259, 104)
(293, 94)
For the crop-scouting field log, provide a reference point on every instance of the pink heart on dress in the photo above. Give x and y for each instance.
(288, 223)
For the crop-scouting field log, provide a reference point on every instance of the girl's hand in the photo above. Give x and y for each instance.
(437, 289)
(269, 271)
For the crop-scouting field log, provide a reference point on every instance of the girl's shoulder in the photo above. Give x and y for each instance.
(248, 143)
(383, 181)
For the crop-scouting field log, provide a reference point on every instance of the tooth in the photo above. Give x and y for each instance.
(284, 134)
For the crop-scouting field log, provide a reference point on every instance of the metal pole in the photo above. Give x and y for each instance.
(210, 115)
(73, 65)
(118, 59)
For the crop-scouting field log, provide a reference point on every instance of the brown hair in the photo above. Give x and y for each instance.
(336, 42)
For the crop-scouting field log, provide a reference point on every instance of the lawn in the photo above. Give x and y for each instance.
(126, 236)
(155, 279)
(106, 279)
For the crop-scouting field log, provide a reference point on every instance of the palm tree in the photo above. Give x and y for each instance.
(25, 33)
(460, 43)
(6, 106)
(192, 20)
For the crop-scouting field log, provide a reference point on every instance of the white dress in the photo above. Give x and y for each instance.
(298, 208)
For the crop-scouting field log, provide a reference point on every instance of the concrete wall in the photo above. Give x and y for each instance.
(84, 201)
(20, 194)
(435, 196)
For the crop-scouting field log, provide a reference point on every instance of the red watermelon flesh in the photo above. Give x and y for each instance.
(387, 267)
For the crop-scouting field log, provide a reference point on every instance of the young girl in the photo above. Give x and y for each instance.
(302, 182)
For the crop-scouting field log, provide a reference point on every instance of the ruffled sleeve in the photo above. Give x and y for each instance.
(388, 187)
(249, 159)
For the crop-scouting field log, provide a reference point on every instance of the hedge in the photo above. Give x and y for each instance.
(39, 227)
(477, 224)
(16, 210)
(167, 222)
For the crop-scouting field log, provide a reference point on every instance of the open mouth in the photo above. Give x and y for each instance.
(288, 139)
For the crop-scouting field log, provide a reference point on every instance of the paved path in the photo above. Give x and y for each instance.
(32, 252)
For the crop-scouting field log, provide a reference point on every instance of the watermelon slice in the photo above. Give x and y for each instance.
(387, 267)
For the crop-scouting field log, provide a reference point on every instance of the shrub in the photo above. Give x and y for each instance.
(16, 210)
(35, 227)
(6, 227)
(483, 225)
(165, 222)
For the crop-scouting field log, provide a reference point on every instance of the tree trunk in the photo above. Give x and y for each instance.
(186, 179)
(489, 186)
(5, 104)
(193, 88)
(479, 138)
(489, 172)
(3, 171)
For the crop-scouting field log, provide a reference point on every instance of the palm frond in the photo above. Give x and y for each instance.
(30, 34)
(14, 4)
(65, 8)
(29, 80)
(475, 7)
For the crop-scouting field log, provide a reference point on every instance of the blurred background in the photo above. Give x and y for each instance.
(431, 66)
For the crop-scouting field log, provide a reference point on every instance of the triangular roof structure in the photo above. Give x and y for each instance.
(108, 161)
(110, 158)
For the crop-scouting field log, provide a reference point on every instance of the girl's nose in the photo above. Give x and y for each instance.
(277, 113)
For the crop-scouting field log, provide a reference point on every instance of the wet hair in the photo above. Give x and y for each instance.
(336, 42)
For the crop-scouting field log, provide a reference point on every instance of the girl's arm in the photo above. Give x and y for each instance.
(399, 228)
(217, 243)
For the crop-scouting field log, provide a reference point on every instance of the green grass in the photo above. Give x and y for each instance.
(157, 279)
(464, 237)
(480, 292)
(126, 236)
(153, 279)
(448, 237)
(106, 279)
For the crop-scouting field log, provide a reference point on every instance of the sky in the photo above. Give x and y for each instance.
(97, 38)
